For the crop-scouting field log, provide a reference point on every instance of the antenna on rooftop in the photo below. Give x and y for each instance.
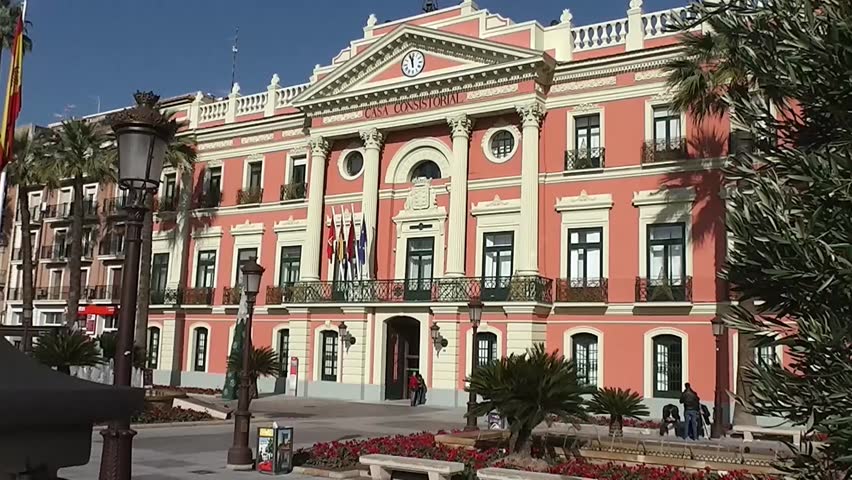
(430, 6)
(234, 51)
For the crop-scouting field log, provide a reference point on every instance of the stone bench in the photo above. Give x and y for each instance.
(748, 432)
(383, 466)
(507, 474)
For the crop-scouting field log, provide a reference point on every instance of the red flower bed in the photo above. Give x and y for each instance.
(614, 471)
(195, 390)
(169, 415)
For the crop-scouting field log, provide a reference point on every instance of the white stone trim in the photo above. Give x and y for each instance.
(341, 163)
(404, 220)
(202, 242)
(468, 339)
(328, 326)
(582, 111)
(246, 235)
(568, 345)
(288, 233)
(157, 325)
(496, 206)
(585, 211)
(273, 342)
(664, 206)
(489, 134)
(493, 217)
(648, 357)
(379, 344)
(296, 157)
(399, 168)
(254, 158)
(190, 346)
(662, 99)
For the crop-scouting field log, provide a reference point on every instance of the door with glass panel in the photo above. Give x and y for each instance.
(587, 139)
(666, 263)
(419, 266)
(159, 277)
(497, 265)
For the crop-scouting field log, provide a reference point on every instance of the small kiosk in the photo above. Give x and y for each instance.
(274, 450)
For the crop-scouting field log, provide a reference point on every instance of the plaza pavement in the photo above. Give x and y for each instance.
(199, 451)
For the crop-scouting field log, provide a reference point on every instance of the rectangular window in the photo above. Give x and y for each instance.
(299, 172)
(255, 173)
(585, 264)
(291, 263)
(486, 348)
(419, 265)
(666, 260)
(587, 141)
(56, 278)
(329, 356)
(153, 347)
(212, 187)
(765, 355)
(115, 278)
(54, 318)
(159, 272)
(205, 270)
(497, 255)
(199, 363)
(169, 186)
(666, 128)
(244, 255)
(110, 323)
(17, 318)
(283, 352)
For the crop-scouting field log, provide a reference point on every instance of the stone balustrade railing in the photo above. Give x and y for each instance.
(236, 105)
(600, 35)
(211, 112)
(654, 23)
(251, 103)
(286, 94)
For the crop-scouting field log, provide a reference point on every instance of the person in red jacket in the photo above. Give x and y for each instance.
(414, 389)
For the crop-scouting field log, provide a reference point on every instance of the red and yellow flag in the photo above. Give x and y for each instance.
(13, 94)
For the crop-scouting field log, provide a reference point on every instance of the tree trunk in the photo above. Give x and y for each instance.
(745, 359)
(75, 256)
(144, 296)
(27, 267)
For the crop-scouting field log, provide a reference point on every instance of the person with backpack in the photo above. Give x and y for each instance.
(691, 410)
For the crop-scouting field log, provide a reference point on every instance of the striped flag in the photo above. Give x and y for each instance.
(362, 244)
(13, 93)
(341, 248)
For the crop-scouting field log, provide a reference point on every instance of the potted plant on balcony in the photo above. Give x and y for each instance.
(618, 404)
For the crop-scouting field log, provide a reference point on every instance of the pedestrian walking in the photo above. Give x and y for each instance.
(422, 385)
(414, 389)
(691, 410)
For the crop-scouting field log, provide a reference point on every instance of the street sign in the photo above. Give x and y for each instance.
(293, 377)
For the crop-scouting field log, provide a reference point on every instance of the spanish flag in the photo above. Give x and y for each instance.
(13, 94)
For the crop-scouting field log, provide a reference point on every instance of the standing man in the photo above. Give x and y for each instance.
(691, 408)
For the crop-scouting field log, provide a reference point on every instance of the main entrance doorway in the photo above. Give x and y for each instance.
(402, 356)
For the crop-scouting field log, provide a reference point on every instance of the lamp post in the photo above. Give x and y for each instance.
(717, 428)
(240, 454)
(474, 308)
(142, 134)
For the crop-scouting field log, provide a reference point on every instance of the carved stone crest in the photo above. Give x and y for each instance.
(421, 196)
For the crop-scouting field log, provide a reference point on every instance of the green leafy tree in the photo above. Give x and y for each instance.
(29, 169)
(180, 155)
(64, 349)
(527, 390)
(618, 404)
(263, 362)
(790, 211)
(85, 153)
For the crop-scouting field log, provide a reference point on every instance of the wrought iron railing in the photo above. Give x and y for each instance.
(166, 204)
(198, 296)
(594, 290)
(168, 296)
(111, 246)
(655, 151)
(209, 200)
(585, 158)
(50, 293)
(115, 206)
(58, 252)
(64, 211)
(293, 191)
(105, 292)
(504, 289)
(249, 195)
(663, 289)
(231, 295)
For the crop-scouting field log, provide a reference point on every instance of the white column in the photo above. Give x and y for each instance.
(531, 116)
(319, 156)
(370, 194)
(460, 127)
(231, 114)
(635, 30)
(195, 110)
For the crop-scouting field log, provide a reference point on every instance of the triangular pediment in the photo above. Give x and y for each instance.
(446, 55)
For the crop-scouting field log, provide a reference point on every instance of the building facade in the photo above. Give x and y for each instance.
(539, 169)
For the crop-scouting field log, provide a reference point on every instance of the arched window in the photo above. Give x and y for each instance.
(199, 357)
(668, 365)
(426, 169)
(585, 355)
(153, 347)
(283, 344)
(486, 348)
(329, 356)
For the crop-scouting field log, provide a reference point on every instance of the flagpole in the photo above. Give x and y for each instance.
(357, 242)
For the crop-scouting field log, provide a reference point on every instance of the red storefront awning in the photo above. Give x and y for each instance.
(103, 310)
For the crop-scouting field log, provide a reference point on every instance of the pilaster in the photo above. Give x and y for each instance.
(445, 362)
(271, 96)
(373, 141)
(521, 336)
(635, 31)
(319, 148)
(194, 110)
(460, 128)
(231, 113)
(532, 115)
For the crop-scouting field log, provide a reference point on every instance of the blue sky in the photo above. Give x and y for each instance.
(87, 50)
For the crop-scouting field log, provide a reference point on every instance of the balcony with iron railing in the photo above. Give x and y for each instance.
(50, 293)
(584, 159)
(198, 296)
(231, 295)
(654, 290)
(582, 290)
(36, 215)
(114, 207)
(656, 151)
(293, 191)
(65, 211)
(55, 253)
(167, 296)
(166, 205)
(446, 290)
(103, 293)
(249, 196)
(111, 246)
(209, 200)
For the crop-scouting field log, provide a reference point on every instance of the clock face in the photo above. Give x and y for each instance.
(413, 63)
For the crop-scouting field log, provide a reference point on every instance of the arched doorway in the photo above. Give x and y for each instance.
(402, 356)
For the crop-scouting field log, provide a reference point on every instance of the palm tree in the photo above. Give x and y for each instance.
(64, 349)
(29, 169)
(527, 390)
(706, 80)
(618, 404)
(263, 362)
(8, 18)
(180, 155)
(85, 153)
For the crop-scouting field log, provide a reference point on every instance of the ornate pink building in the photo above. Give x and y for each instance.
(538, 168)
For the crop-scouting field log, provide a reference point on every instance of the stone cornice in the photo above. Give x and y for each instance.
(247, 229)
(496, 206)
(584, 201)
(663, 196)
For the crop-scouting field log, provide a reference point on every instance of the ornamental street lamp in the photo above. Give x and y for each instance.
(438, 340)
(142, 134)
(717, 429)
(240, 454)
(474, 308)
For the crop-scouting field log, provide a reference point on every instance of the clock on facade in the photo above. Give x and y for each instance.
(413, 63)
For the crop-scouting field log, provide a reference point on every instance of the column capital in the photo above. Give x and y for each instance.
(460, 125)
(319, 147)
(372, 138)
(531, 114)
